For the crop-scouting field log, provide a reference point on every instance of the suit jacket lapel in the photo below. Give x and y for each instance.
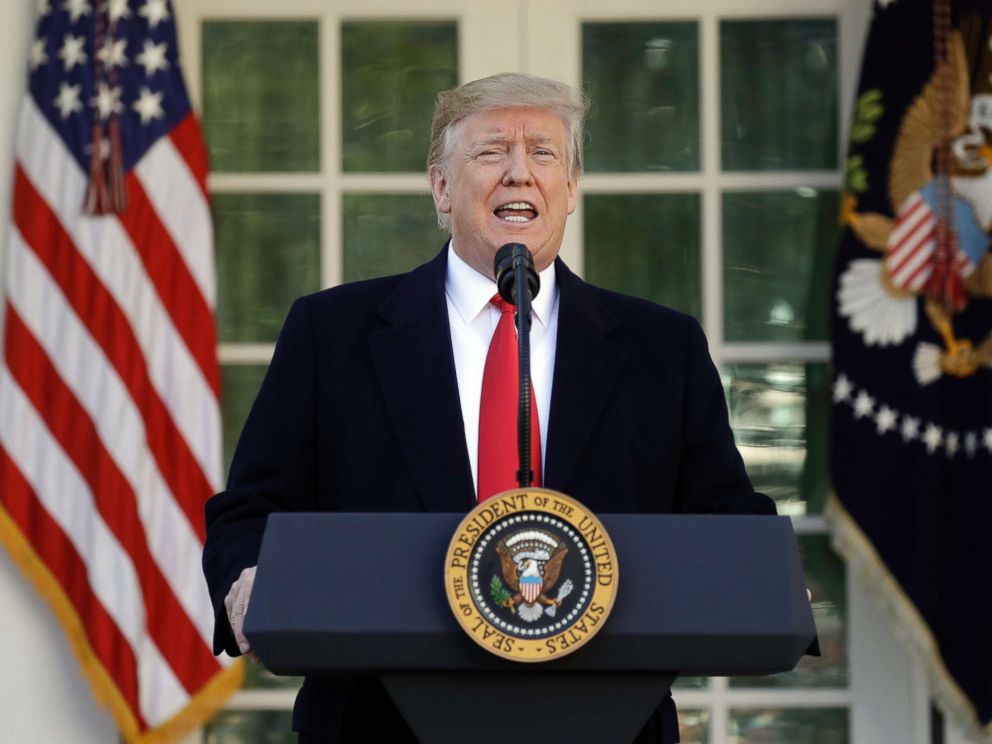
(588, 357)
(416, 372)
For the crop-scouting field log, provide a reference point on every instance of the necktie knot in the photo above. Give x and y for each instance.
(502, 305)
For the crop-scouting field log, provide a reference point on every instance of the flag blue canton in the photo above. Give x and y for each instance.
(141, 83)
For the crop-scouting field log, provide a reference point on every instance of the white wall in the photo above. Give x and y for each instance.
(43, 697)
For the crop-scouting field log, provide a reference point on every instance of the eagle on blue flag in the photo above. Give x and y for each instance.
(911, 458)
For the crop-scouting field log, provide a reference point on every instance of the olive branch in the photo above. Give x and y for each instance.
(500, 594)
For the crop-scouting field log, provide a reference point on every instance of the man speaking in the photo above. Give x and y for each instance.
(389, 394)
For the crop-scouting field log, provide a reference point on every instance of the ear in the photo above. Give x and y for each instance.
(439, 189)
(573, 192)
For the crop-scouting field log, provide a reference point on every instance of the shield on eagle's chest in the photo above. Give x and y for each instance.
(530, 588)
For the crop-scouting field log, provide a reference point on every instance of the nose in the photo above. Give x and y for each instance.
(518, 168)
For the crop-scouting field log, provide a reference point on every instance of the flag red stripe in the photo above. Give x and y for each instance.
(188, 140)
(56, 551)
(177, 289)
(109, 327)
(71, 426)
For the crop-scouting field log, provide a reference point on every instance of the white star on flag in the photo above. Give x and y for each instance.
(37, 56)
(842, 388)
(885, 420)
(152, 58)
(970, 443)
(863, 405)
(952, 443)
(107, 100)
(118, 10)
(910, 428)
(113, 53)
(67, 100)
(76, 8)
(72, 53)
(155, 11)
(149, 105)
(932, 437)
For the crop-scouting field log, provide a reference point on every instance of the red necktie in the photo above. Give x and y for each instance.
(499, 459)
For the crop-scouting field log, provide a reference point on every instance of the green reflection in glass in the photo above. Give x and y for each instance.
(239, 386)
(268, 253)
(779, 413)
(778, 94)
(258, 677)
(256, 726)
(694, 726)
(825, 578)
(260, 95)
(691, 683)
(388, 234)
(646, 245)
(788, 726)
(643, 82)
(392, 71)
(778, 249)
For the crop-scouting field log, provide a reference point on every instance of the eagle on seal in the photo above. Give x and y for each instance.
(526, 580)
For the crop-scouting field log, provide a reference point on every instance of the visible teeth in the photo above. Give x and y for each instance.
(515, 218)
(518, 205)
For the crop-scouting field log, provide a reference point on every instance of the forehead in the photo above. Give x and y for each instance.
(532, 123)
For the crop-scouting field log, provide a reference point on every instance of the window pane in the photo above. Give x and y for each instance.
(388, 234)
(256, 726)
(268, 253)
(646, 245)
(690, 683)
(777, 264)
(391, 73)
(257, 676)
(788, 726)
(694, 726)
(643, 79)
(778, 100)
(239, 386)
(260, 95)
(825, 578)
(779, 413)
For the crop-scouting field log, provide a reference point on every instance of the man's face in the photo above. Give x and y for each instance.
(506, 180)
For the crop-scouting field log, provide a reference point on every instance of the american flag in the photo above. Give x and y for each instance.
(109, 417)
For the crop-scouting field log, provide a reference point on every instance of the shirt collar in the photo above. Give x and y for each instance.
(470, 291)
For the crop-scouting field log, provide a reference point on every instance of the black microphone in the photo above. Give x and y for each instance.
(508, 259)
(518, 284)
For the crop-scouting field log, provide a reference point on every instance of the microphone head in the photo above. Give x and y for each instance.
(507, 258)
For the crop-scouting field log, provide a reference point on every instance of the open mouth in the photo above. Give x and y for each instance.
(518, 211)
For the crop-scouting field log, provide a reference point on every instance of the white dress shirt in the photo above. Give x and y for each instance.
(473, 321)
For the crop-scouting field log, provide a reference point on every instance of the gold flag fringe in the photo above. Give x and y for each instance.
(196, 712)
(857, 550)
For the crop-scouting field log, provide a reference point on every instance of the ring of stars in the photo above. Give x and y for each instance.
(935, 439)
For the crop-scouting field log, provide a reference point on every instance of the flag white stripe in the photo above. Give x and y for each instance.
(87, 372)
(923, 253)
(922, 211)
(160, 694)
(65, 496)
(177, 199)
(106, 247)
(62, 491)
(921, 234)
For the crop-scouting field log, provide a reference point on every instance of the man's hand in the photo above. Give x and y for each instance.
(236, 603)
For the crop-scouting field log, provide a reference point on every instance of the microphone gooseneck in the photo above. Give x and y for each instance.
(518, 284)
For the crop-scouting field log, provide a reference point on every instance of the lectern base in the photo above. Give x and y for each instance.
(545, 707)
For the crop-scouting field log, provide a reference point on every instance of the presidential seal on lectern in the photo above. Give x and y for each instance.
(531, 575)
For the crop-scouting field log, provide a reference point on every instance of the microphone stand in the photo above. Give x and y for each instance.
(525, 475)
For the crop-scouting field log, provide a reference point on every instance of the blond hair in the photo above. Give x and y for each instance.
(506, 90)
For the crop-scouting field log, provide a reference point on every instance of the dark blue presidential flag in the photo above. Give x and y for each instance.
(912, 341)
